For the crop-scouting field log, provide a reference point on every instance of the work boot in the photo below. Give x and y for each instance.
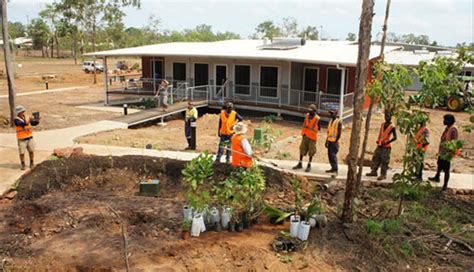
(308, 168)
(434, 179)
(331, 171)
(298, 166)
(23, 166)
(32, 165)
(371, 174)
(382, 177)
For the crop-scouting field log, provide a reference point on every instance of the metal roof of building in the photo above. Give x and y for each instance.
(413, 58)
(321, 52)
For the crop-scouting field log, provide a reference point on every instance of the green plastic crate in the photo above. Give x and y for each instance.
(149, 188)
(258, 134)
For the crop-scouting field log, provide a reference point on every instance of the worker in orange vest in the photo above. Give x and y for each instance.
(241, 149)
(24, 134)
(332, 140)
(445, 155)
(309, 132)
(381, 157)
(228, 119)
(421, 141)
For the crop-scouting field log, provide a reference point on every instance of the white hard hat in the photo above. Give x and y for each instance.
(19, 109)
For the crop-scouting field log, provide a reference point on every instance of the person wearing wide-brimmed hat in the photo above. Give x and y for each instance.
(309, 133)
(241, 149)
(332, 140)
(24, 134)
(163, 94)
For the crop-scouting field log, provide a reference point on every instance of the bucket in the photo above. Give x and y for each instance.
(214, 215)
(197, 224)
(187, 213)
(303, 232)
(294, 227)
(225, 217)
(295, 217)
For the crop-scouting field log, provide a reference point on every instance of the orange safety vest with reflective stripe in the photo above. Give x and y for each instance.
(419, 139)
(310, 128)
(384, 136)
(333, 130)
(238, 157)
(228, 122)
(447, 137)
(24, 132)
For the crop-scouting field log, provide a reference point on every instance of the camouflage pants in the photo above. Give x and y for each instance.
(381, 159)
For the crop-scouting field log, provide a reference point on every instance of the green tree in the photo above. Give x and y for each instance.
(351, 37)
(51, 15)
(39, 32)
(267, 29)
(310, 33)
(289, 27)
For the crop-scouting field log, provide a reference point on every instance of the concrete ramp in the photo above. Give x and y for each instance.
(156, 113)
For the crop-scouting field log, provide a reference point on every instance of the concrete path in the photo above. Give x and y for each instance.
(46, 141)
(46, 91)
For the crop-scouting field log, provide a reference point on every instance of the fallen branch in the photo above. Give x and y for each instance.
(457, 241)
(421, 237)
(124, 238)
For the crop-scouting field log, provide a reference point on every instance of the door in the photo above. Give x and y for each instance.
(201, 74)
(158, 70)
(221, 78)
(310, 84)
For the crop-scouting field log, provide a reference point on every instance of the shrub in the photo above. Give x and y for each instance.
(373, 227)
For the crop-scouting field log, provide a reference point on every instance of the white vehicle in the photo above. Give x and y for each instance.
(88, 67)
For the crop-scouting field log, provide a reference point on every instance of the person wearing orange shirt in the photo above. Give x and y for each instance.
(309, 133)
(24, 134)
(228, 119)
(241, 149)
(381, 157)
(421, 141)
(332, 141)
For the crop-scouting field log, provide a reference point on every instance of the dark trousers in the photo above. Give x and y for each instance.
(224, 141)
(381, 159)
(333, 148)
(443, 166)
(190, 132)
(421, 164)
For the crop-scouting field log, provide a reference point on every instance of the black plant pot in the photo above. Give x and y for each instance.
(217, 227)
(231, 226)
(239, 227)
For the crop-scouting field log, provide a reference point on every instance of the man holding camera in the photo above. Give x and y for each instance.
(24, 134)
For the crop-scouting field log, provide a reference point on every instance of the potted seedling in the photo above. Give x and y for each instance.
(185, 228)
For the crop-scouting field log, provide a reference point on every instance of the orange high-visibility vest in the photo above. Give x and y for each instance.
(228, 122)
(238, 157)
(310, 128)
(447, 137)
(24, 132)
(333, 130)
(419, 139)
(384, 136)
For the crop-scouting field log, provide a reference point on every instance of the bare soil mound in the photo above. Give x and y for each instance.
(69, 213)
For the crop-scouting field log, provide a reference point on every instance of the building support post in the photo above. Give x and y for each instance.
(153, 74)
(289, 84)
(106, 82)
(341, 95)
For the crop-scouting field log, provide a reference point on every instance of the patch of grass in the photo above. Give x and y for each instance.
(433, 222)
(392, 225)
(373, 227)
(406, 249)
(416, 212)
(387, 244)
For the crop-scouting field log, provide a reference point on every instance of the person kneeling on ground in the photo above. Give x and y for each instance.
(332, 141)
(381, 156)
(445, 155)
(241, 149)
(227, 121)
(24, 134)
(309, 132)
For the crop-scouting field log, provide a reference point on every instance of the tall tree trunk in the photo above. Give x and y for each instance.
(93, 48)
(8, 64)
(365, 28)
(372, 102)
(52, 47)
(56, 39)
(74, 50)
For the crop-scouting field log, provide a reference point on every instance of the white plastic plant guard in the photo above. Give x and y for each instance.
(294, 227)
(214, 215)
(196, 225)
(225, 217)
(303, 232)
(188, 213)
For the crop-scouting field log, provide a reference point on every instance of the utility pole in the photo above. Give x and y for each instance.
(8, 63)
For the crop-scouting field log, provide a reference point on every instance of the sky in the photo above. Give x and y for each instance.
(446, 21)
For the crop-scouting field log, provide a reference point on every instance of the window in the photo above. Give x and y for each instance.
(242, 79)
(179, 71)
(201, 74)
(269, 81)
(334, 81)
